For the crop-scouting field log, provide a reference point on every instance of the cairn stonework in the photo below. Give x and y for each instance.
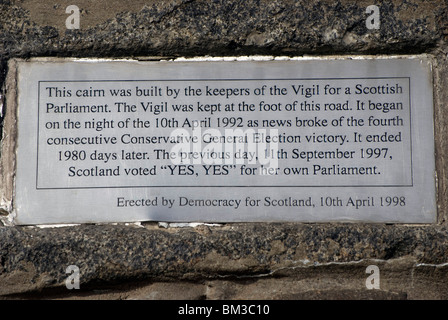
(214, 149)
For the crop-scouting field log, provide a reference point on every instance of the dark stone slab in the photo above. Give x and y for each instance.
(179, 28)
(412, 258)
(35, 258)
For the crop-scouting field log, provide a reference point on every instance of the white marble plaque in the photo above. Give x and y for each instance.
(300, 140)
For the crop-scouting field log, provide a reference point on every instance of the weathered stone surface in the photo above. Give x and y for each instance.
(314, 257)
(235, 261)
(203, 27)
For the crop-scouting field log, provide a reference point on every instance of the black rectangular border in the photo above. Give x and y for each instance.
(227, 186)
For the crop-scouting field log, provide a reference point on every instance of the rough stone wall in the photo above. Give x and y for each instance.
(235, 261)
(232, 261)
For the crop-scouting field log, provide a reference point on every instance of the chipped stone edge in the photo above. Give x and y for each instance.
(168, 225)
(299, 58)
(8, 145)
(228, 58)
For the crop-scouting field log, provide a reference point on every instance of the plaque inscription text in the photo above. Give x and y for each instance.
(313, 140)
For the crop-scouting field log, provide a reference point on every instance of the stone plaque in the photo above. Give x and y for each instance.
(312, 140)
